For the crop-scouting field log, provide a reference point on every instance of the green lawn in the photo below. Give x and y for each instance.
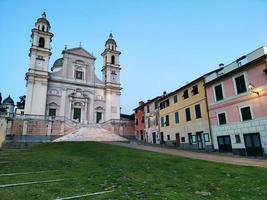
(132, 174)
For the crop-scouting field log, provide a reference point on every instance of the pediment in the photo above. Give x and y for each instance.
(79, 51)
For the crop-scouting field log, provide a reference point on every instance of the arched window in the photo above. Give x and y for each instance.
(38, 27)
(113, 60)
(41, 42)
(43, 28)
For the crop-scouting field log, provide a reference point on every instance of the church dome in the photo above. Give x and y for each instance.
(111, 40)
(58, 63)
(8, 101)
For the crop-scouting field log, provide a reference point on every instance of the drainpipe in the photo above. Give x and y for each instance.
(207, 108)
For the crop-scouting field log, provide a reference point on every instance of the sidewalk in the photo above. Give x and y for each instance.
(196, 155)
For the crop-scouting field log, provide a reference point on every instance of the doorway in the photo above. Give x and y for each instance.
(161, 138)
(177, 136)
(253, 144)
(154, 138)
(224, 143)
(77, 114)
(98, 117)
(199, 140)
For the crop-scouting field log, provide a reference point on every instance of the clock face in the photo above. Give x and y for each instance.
(113, 78)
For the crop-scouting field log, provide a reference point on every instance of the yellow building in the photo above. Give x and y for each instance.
(184, 118)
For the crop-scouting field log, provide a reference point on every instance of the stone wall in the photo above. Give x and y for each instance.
(123, 128)
(3, 128)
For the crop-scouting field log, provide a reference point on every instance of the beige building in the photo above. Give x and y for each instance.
(71, 89)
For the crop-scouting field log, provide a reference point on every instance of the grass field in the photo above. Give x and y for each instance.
(131, 174)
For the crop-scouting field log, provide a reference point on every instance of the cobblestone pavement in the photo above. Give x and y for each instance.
(196, 155)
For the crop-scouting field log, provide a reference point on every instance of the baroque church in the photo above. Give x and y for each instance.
(71, 89)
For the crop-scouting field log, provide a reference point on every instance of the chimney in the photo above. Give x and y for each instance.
(164, 93)
(141, 103)
(221, 65)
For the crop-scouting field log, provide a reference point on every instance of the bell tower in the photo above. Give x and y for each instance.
(111, 77)
(37, 75)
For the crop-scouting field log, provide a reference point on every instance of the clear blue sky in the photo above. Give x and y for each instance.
(164, 43)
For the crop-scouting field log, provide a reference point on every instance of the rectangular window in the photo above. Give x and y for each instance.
(206, 137)
(164, 104)
(52, 112)
(167, 103)
(185, 95)
(237, 139)
(183, 139)
(143, 119)
(162, 121)
(190, 140)
(136, 122)
(218, 92)
(156, 105)
(246, 113)
(148, 122)
(79, 75)
(167, 122)
(195, 90)
(187, 114)
(147, 109)
(221, 118)
(198, 111)
(240, 84)
(175, 99)
(176, 115)
(194, 138)
(157, 118)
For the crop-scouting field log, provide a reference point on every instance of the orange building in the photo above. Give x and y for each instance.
(139, 121)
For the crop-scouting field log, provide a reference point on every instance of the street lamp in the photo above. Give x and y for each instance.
(251, 88)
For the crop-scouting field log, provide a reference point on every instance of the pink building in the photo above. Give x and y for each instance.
(237, 103)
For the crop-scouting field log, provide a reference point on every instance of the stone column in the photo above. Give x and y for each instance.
(62, 102)
(85, 112)
(62, 128)
(49, 128)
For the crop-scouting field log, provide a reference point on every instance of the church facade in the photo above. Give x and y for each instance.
(71, 89)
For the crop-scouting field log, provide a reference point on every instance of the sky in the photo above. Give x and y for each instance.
(164, 44)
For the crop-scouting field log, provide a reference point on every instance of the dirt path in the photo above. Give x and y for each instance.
(196, 155)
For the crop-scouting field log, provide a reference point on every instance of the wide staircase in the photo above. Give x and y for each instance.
(92, 132)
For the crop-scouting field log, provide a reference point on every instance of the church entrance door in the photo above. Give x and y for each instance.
(98, 117)
(77, 114)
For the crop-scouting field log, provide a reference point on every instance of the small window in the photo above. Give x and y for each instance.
(43, 28)
(183, 139)
(218, 92)
(187, 114)
(206, 137)
(167, 103)
(79, 75)
(167, 122)
(194, 90)
(148, 122)
(162, 121)
(52, 112)
(222, 118)
(143, 119)
(136, 122)
(175, 99)
(147, 109)
(168, 137)
(176, 114)
(240, 84)
(156, 122)
(185, 95)
(237, 139)
(246, 113)
(41, 42)
(198, 111)
(156, 105)
(113, 60)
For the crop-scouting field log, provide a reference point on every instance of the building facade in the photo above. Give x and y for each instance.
(184, 117)
(237, 103)
(152, 121)
(139, 115)
(72, 89)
